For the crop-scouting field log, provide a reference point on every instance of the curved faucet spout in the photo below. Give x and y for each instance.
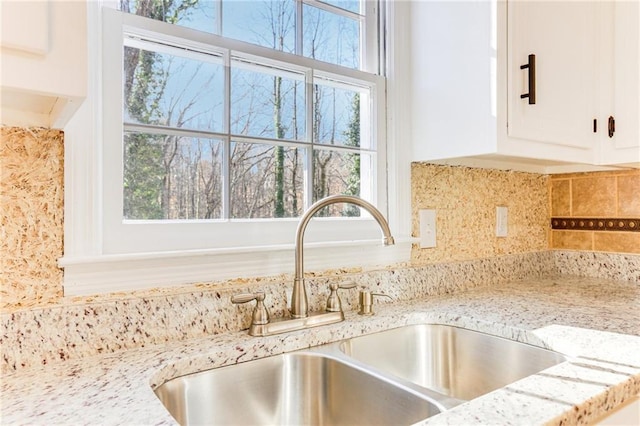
(299, 304)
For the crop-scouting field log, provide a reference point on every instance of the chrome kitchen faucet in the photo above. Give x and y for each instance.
(299, 305)
(299, 308)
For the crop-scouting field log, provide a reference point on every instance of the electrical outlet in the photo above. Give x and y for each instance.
(501, 221)
(427, 228)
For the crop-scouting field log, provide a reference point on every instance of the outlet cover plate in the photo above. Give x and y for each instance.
(427, 228)
(501, 221)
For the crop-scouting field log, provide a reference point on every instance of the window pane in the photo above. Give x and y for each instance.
(174, 91)
(268, 23)
(171, 177)
(350, 5)
(267, 105)
(331, 38)
(199, 15)
(336, 173)
(266, 181)
(336, 116)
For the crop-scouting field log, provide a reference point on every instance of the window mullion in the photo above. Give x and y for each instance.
(308, 175)
(226, 152)
(177, 131)
(226, 178)
(370, 38)
(218, 28)
(336, 10)
(298, 27)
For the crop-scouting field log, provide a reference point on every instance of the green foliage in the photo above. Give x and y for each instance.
(162, 10)
(142, 177)
(279, 210)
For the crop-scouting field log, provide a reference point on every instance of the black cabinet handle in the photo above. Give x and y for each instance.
(611, 126)
(531, 66)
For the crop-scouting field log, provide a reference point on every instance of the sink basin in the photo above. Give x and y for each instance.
(295, 388)
(459, 363)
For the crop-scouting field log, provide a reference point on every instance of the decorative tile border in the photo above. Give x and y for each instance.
(596, 224)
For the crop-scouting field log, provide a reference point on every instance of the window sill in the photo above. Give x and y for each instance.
(130, 272)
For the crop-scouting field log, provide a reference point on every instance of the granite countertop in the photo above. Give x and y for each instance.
(594, 321)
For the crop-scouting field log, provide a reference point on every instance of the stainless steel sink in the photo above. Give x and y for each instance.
(459, 363)
(399, 376)
(292, 389)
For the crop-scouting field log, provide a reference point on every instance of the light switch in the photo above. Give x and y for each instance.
(427, 228)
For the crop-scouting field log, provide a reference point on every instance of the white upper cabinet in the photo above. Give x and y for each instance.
(44, 61)
(559, 40)
(470, 70)
(452, 78)
(623, 146)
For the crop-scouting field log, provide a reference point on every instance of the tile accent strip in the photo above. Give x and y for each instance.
(596, 224)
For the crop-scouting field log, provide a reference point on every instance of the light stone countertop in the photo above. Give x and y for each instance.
(594, 321)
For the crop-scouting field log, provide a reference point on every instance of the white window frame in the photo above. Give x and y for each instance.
(93, 261)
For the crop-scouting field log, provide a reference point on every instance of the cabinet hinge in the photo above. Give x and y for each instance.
(611, 126)
(595, 125)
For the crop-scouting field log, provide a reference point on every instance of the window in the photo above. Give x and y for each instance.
(221, 122)
(218, 133)
(218, 130)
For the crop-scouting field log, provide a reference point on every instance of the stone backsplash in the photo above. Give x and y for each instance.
(465, 201)
(104, 324)
(31, 213)
(86, 327)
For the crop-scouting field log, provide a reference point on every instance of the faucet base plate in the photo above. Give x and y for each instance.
(284, 325)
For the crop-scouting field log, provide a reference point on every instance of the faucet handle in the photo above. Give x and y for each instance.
(260, 314)
(334, 304)
(365, 299)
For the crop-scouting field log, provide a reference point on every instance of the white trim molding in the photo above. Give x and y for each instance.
(92, 275)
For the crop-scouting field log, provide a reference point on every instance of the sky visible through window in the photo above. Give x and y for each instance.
(269, 23)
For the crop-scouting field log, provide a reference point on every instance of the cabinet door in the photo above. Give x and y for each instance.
(563, 36)
(32, 38)
(623, 147)
(453, 79)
